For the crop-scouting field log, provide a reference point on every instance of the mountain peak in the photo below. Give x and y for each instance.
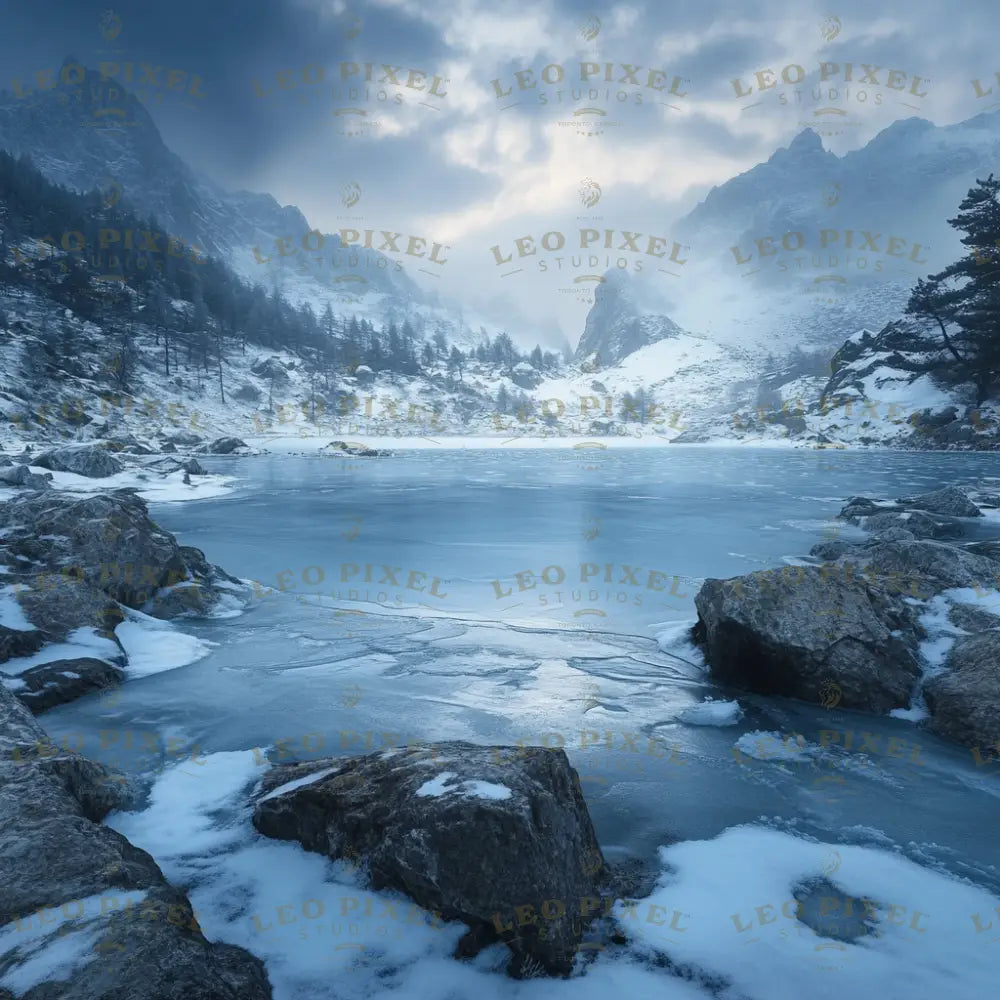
(806, 141)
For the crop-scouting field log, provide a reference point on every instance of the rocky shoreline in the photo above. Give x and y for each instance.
(850, 626)
(71, 567)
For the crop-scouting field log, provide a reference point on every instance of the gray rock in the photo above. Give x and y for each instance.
(248, 393)
(972, 619)
(358, 450)
(86, 460)
(795, 422)
(107, 541)
(989, 548)
(223, 446)
(62, 681)
(57, 604)
(918, 524)
(15, 642)
(182, 439)
(988, 500)
(21, 475)
(861, 507)
(127, 443)
(964, 701)
(923, 568)
(472, 859)
(833, 550)
(183, 600)
(53, 851)
(271, 368)
(890, 535)
(804, 631)
(194, 468)
(949, 501)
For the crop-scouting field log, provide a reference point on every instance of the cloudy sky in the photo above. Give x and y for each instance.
(474, 126)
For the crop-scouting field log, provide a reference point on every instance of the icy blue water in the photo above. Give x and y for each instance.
(454, 645)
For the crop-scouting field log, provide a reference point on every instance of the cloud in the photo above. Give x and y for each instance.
(474, 169)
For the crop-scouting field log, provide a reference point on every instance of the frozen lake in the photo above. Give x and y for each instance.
(544, 596)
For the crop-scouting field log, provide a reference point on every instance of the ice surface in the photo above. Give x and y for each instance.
(154, 645)
(11, 613)
(712, 713)
(775, 746)
(735, 897)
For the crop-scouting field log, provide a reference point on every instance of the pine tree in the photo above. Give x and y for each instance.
(963, 300)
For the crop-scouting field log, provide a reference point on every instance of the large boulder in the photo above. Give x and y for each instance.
(804, 630)
(949, 501)
(78, 889)
(496, 837)
(86, 460)
(964, 700)
(107, 541)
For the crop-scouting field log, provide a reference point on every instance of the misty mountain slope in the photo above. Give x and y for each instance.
(616, 326)
(130, 161)
(906, 182)
(894, 194)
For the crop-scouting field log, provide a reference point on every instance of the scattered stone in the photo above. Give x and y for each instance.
(85, 460)
(223, 446)
(61, 681)
(181, 439)
(361, 451)
(21, 475)
(964, 700)
(949, 501)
